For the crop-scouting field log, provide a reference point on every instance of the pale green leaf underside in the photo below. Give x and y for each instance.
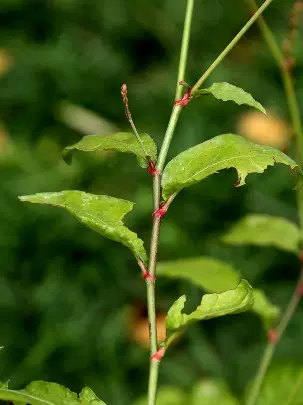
(282, 385)
(46, 393)
(212, 392)
(120, 142)
(228, 92)
(264, 230)
(101, 213)
(215, 276)
(212, 306)
(222, 152)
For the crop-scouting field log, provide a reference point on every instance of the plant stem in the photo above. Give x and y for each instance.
(271, 346)
(150, 284)
(288, 84)
(294, 113)
(231, 45)
(184, 47)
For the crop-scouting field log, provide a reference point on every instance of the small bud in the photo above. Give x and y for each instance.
(124, 94)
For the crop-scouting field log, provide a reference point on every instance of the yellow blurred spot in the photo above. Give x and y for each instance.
(265, 130)
(139, 332)
(6, 61)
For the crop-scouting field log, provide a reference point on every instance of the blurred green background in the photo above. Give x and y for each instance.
(72, 303)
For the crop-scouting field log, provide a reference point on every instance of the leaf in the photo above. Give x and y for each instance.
(265, 230)
(222, 152)
(228, 92)
(282, 385)
(216, 276)
(207, 273)
(212, 392)
(167, 396)
(212, 306)
(120, 142)
(47, 393)
(101, 213)
(268, 312)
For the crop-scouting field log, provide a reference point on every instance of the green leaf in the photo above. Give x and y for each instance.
(228, 92)
(265, 230)
(212, 306)
(207, 273)
(268, 312)
(282, 385)
(216, 276)
(167, 396)
(101, 213)
(120, 142)
(222, 152)
(212, 392)
(46, 393)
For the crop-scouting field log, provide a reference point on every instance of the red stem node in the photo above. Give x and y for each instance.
(149, 277)
(159, 213)
(299, 290)
(158, 355)
(272, 336)
(152, 170)
(185, 100)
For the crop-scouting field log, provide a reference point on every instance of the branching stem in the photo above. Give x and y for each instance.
(231, 45)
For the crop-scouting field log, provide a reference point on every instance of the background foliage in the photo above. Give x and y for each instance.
(71, 302)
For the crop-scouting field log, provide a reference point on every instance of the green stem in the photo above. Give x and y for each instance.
(184, 47)
(150, 284)
(292, 102)
(231, 45)
(168, 136)
(271, 346)
(288, 84)
(294, 113)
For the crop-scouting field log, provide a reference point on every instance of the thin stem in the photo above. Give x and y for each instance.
(150, 283)
(294, 113)
(168, 136)
(271, 345)
(288, 84)
(231, 45)
(124, 94)
(184, 46)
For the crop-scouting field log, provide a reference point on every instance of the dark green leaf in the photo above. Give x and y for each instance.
(121, 142)
(222, 152)
(101, 213)
(46, 393)
(282, 385)
(228, 92)
(216, 276)
(212, 392)
(265, 230)
(212, 306)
